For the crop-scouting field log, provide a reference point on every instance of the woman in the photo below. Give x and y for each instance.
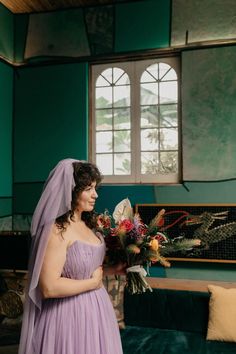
(68, 310)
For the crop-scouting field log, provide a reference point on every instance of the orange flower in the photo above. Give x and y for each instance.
(154, 244)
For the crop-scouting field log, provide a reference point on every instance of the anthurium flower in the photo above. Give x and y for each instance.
(122, 211)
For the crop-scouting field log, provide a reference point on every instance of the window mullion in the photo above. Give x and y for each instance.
(135, 119)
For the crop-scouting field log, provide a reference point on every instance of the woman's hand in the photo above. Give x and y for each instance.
(97, 276)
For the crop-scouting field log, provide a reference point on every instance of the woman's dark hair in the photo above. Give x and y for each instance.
(85, 173)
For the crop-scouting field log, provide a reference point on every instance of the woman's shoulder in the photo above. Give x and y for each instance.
(58, 236)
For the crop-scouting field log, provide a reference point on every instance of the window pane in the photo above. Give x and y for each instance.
(103, 97)
(163, 70)
(169, 162)
(169, 138)
(121, 118)
(168, 92)
(121, 96)
(168, 115)
(120, 77)
(150, 74)
(102, 82)
(122, 163)
(104, 142)
(105, 163)
(149, 116)
(117, 73)
(107, 74)
(104, 119)
(170, 75)
(149, 94)
(149, 163)
(149, 139)
(122, 141)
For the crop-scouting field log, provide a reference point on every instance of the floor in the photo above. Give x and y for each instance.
(9, 349)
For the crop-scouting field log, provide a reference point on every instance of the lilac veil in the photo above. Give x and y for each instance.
(55, 201)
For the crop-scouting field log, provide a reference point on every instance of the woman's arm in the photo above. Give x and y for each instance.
(51, 283)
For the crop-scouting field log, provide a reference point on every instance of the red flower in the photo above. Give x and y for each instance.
(126, 225)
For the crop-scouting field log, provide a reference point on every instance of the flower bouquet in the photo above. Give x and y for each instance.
(130, 241)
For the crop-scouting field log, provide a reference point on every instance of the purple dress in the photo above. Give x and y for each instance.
(81, 324)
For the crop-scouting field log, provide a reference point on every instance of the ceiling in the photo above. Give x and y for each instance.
(29, 6)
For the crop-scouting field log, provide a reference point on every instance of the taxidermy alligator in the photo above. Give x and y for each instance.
(208, 234)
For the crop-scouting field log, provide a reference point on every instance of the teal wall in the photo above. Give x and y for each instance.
(6, 104)
(142, 25)
(6, 34)
(40, 37)
(51, 118)
(187, 193)
(20, 35)
(50, 123)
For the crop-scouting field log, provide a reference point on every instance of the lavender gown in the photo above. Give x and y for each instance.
(81, 324)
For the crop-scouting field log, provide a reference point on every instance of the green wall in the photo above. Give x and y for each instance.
(125, 27)
(50, 123)
(6, 104)
(51, 116)
(187, 193)
(142, 25)
(6, 34)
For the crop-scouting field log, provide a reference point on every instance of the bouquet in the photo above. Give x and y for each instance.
(129, 240)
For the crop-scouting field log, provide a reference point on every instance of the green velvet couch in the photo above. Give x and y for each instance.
(169, 322)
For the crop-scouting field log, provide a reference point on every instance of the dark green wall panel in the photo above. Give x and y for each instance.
(26, 197)
(5, 206)
(6, 33)
(197, 192)
(142, 25)
(51, 119)
(6, 107)
(21, 27)
(190, 193)
(109, 196)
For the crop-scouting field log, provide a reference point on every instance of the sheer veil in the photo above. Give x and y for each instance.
(54, 202)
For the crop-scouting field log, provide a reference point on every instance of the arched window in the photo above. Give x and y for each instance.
(135, 121)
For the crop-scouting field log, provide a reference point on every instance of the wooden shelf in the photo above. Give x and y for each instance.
(186, 284)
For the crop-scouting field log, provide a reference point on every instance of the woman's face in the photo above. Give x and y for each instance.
(87, 198)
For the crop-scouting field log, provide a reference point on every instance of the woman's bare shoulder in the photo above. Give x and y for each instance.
(58, 237)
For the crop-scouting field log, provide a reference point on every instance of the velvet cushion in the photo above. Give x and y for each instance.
(114, 285)
(222, 314)
(147, 340)
(171, 309)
